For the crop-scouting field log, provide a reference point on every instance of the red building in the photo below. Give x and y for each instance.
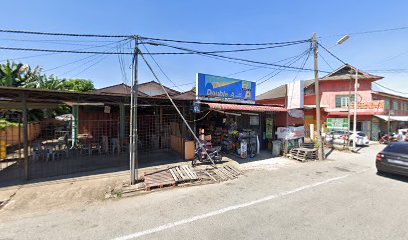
(374, 108)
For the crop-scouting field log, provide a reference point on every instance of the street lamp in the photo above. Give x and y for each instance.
(341, 41)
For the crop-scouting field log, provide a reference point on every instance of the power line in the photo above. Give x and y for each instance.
(234, 58)
(81, 59)
(325, 61)
(369, 32)
(160, 68)
(65, 34)
(130, 53)
(307, 57)
(290, 62)
(331, 53)
(405, 93)
(62, 51)
(223, 43)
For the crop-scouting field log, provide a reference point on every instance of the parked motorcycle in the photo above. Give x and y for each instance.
(201, 156)
(386, 139)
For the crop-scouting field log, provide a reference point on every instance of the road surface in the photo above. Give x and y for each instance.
(341, 198)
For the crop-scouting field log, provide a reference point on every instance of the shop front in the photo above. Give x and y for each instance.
(241, 130)
(227, 116)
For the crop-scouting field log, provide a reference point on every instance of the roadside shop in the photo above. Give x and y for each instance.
(227, 116)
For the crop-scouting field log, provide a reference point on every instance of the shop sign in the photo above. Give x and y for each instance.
(290, 133)
(215, 88)
(196, 108)
(337, 123)
(374, 104)
(295, 94)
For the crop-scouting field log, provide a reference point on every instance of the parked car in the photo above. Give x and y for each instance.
(341, 137)
(393, 159)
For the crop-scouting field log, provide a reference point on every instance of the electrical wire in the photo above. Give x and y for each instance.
(65, 34)
(292, 60)
(160, 68)
(233, 58)
(404, 93)
(283, 68)
(324, 60)
(53, 53)
(319, 44)
(223, 43)
(175, 106)
(368, 32)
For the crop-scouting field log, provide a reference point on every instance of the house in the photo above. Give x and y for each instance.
(374, 108)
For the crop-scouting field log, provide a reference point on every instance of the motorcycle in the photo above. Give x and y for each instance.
(201, 155)
(386, 139)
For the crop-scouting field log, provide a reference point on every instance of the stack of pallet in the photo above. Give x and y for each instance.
(183, 173)
(303, 154)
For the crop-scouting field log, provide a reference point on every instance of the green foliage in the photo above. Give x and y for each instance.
(4, 124)
(22, 75)
(78, 85)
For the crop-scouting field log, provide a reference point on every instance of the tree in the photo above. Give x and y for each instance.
(10, 74)
(78, 85)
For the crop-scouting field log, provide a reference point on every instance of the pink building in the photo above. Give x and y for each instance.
(374, 108)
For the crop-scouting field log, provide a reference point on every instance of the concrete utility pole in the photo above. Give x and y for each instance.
(355, 111)
(317, 92)
(133, 116)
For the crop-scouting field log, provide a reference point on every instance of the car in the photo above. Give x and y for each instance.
(341, 137)
(393, 159)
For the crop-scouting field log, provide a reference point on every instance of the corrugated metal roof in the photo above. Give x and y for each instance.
(250, 108)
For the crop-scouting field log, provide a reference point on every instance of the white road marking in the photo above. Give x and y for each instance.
(227, 209)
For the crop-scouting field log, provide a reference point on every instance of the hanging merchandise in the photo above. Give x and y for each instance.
(244, 148)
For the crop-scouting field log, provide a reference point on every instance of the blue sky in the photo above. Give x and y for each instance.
(216, 21)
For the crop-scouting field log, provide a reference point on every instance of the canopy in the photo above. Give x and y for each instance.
(393, 118)
(241, 107)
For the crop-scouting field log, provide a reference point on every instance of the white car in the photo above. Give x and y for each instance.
(341, 137)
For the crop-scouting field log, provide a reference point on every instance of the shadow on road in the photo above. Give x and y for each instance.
(394, 177)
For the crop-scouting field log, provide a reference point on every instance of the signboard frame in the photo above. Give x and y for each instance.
(215, 88)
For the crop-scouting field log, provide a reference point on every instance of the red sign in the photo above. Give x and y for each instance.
(375, 104)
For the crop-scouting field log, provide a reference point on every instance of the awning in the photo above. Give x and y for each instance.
(393, 118)
(239, 107)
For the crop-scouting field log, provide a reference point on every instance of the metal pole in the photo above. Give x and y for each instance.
(317, 92)
(133, 116)
(389, 119)
(25, 137)
(348, 113)
(355, 111)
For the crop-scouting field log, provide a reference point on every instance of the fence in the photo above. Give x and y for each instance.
(57, 148)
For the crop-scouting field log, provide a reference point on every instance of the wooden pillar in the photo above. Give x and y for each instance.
(25, 137)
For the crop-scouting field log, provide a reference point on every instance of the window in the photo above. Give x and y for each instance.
(375, 98)
(386, 103)
(342, 101)
(394, 105)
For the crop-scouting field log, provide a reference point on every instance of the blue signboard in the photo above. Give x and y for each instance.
(215, 88)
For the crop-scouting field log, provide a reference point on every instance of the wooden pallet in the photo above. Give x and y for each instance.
(303, 154)
(183, 173)
(158, 179)
(219, 174)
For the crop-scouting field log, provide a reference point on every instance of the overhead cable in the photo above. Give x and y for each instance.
(65, 34)
(225, 44)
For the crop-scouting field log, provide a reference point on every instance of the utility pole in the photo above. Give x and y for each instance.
(320, 152)
(133, 116)
(355, 111)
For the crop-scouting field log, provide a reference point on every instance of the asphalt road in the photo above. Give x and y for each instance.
(340, 198)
